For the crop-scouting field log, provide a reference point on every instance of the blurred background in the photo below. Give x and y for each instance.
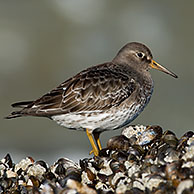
(42, 43)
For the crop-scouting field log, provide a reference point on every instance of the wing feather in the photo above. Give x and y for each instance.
(98, 89)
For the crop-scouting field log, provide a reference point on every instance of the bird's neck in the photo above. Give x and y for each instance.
(143, 77)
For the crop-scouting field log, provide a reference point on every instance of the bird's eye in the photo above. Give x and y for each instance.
(140, 55)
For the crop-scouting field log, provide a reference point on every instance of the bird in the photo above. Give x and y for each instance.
(103, 97)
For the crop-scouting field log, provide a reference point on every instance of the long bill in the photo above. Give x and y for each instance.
(159, 67)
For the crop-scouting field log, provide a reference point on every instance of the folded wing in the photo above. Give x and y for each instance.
(95, 90)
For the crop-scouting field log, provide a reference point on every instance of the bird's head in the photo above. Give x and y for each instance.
(139, 56)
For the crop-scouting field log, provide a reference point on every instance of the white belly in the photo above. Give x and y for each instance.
(108, 120)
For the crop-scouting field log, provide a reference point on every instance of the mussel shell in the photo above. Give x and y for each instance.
(172, 170)
(182, 142)
(118, 143)
(135, 153)
(141, 135)
(6, 183)
(149, 135)
(43, 164)
(8, 160)
(103, 178)
(119, 156)
(60, 170)
(134, 190)
(83, 163)
(170, 138)
(35, 181)
(105, 152)
(98, 163)
(50, 176)
(165, 188)
(90, 174)
(115, 166)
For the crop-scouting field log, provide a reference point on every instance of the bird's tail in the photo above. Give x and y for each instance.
(22, 104)
(19, 113)
(14, 114)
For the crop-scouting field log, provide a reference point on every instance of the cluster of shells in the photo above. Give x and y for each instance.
(143, 159)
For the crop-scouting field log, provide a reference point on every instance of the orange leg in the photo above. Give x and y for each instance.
(94, 148)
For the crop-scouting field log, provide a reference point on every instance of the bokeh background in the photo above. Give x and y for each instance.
(43, 42)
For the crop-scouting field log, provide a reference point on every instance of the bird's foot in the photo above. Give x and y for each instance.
(95, 153)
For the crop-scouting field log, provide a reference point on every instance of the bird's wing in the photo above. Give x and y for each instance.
(93, 90)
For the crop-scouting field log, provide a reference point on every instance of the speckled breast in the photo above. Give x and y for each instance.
(114, 118)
